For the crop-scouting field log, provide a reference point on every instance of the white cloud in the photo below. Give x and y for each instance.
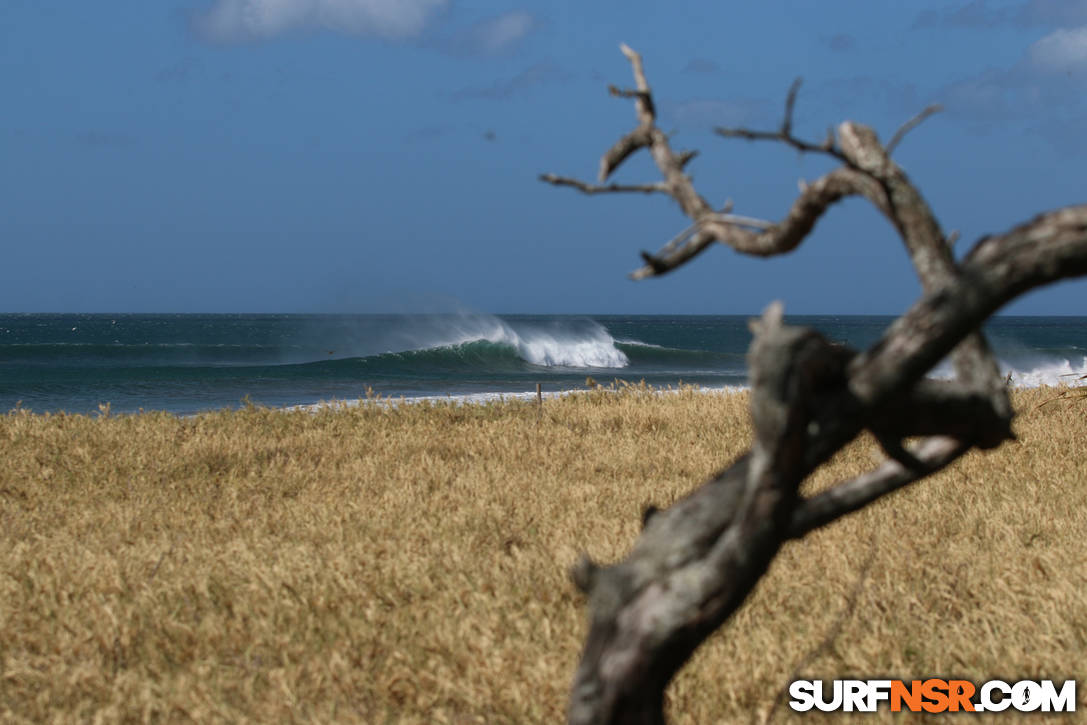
(502, 32)
(490, 37)
(1063, 50)
(229, 20)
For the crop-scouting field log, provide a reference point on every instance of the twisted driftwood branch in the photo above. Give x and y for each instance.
(695, 563)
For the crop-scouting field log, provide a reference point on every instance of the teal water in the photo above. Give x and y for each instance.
(188, 363)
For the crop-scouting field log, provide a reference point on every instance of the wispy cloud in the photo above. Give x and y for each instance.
(240, 20)
(1062, 51)
(994, 95)
(1048, 81)
(538, 74)
(985, 14)
(493, 36)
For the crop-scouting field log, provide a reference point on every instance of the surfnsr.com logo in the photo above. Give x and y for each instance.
(933, 695)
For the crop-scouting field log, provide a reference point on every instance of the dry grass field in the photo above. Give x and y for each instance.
(407, 563)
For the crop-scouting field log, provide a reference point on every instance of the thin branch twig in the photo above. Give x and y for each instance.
(790, 104)
(910, 125)
(785, 133)
(647, 113)
(587, 188)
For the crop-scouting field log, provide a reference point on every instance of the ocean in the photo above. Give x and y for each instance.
(186, 363)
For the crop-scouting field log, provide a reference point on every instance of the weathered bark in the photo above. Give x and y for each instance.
(695, 563)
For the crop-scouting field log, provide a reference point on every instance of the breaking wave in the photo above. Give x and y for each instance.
(1060, 372)
(1032, 374)
(483, 339)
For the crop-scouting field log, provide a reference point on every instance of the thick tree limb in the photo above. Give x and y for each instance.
(931, 255)
(777, 238)
(1051, 247)
(942, 408)
(637, 139)
(853, 495)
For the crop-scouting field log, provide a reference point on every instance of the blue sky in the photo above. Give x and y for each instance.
(382, 155)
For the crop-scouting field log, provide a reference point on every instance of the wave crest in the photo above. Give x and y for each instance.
(1055, 373)
(571, 344)
(594, 351)
(1036, 374)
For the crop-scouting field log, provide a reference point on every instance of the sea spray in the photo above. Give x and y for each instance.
(1052, 373)
(571, 343)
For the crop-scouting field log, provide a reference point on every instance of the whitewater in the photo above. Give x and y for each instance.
(573, 344)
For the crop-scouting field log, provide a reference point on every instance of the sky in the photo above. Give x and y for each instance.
(382, 155)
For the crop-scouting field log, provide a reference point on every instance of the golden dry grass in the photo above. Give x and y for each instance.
(407, 564)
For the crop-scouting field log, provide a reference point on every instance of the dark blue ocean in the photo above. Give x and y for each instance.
(188, 363)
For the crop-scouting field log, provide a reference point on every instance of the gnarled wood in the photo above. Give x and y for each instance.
(695, 563)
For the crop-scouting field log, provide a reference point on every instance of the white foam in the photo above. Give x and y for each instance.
(596, 349)
(1041, 373)
(1055, 373)
(575, 344)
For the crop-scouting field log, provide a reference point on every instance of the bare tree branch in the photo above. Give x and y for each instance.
(785, 133)
(783, 237)
(685, 158)
(674, 255)
(790, 104)
(910, 125)
(623, 148)
(644, 97)
(628, 93)
(943, 408)
(603, 188)
(928, 249)
(855, 494)
(814, 200)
